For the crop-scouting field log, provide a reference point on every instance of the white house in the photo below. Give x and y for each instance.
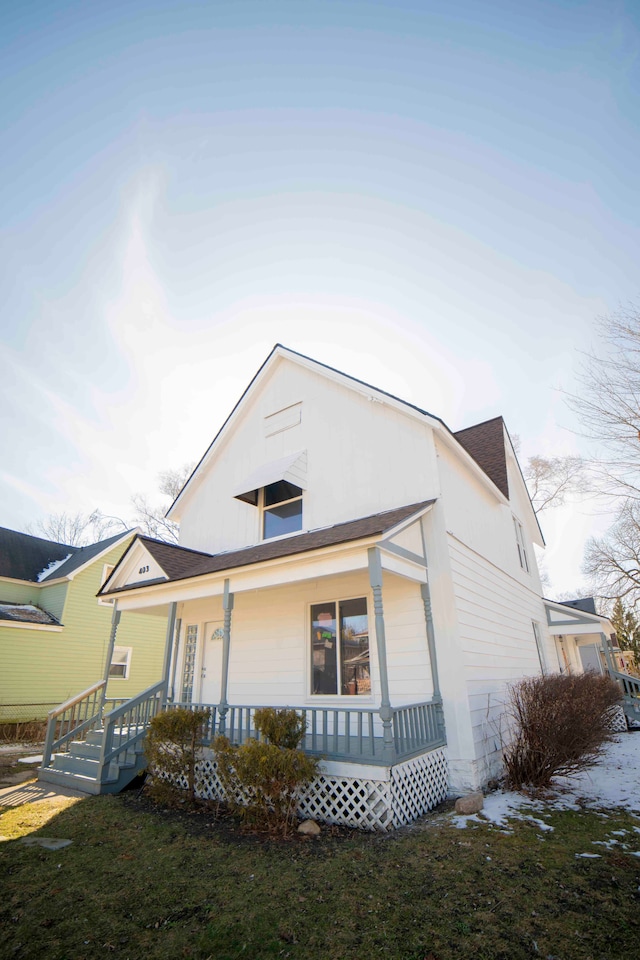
(344, 553)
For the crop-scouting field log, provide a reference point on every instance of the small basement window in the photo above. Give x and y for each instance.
(281, 505)
(120, 663)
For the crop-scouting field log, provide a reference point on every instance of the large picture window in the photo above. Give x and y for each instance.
(340, 661)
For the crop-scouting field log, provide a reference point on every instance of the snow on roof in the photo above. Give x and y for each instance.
(26, 613)
(48, 570)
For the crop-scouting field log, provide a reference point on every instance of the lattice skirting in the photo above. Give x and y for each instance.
(618, 721)
(413, 788)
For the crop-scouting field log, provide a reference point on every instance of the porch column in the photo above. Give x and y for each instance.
(607, 654)
(375, 580)
(227, 606)
(115, 620)
(168, 644)
(433, 657)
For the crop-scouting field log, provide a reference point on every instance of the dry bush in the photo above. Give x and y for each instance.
(172, 748)
(562, 723)
(263, 781)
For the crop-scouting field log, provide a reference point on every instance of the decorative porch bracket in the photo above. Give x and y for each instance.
(227, 606)
(115, 620)
(375, 580)
(168, 647)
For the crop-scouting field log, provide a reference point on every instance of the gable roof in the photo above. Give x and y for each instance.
(490, 464)
(179, 563)
(485, 443)
(25, 557)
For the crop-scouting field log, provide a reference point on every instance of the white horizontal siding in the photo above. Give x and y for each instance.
(495, 614)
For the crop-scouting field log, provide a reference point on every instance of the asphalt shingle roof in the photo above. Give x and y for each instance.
(485, 443)
(181, 564)
(25, 557)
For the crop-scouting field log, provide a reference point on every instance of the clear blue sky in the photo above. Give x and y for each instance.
(439, 198)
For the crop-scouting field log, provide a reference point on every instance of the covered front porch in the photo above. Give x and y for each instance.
(342, 634)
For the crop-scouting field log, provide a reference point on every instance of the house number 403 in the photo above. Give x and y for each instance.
(144, 569)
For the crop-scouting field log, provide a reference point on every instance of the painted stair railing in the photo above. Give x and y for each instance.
(94, 746)
(631, 694)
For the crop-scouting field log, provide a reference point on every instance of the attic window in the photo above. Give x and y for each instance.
(281, 505)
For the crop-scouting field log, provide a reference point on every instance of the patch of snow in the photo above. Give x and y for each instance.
(588, 856)
(52, 566)
(611, 782)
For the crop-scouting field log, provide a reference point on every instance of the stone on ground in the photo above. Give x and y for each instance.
(309, 828)
(472, 803)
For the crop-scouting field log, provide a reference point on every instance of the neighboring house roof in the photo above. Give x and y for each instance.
(587, 604)
(485, 443)
(26, 613)
(180, 564)
(25, 557)
(481, 442)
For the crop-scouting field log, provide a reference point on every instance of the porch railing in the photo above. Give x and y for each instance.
(72, 718)
(338, 733)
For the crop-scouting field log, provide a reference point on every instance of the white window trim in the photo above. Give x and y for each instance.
(107, 570)
(327, 699)
(520, 543)
(127, 663)
(263, 509)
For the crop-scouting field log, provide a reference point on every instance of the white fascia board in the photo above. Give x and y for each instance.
(456, 447)
(409, 521)
(50, 627)
(403, 567)
(310, 565)
(572, 621)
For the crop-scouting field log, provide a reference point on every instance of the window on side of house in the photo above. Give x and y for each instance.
(120, 663)
(107, 570)
(538, 638)
(340, 661)
(281, 506)
(522, 552)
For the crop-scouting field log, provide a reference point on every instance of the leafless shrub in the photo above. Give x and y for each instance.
(561, 724)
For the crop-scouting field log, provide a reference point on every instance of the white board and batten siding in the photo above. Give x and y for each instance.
(357, 455)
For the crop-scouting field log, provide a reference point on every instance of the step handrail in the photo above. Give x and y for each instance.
(134, 716)
(89, 698)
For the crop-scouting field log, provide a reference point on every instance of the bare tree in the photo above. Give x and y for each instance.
(613, 561)
(550, 480)
(77, 529)
(609, 403)
(151, 517)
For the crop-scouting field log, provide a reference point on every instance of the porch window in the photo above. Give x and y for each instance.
(120, 663)
(189, 665)
(340, 661)
(281, 509)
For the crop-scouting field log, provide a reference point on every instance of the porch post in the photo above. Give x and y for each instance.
(168, 644)
(607, 654)
(425, 591)
(115, 620)
(227, 606)
(375, 580)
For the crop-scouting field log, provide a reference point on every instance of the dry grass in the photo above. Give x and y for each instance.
(163, 885)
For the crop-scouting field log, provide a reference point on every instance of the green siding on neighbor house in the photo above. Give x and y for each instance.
(13, 592)
(49, 666)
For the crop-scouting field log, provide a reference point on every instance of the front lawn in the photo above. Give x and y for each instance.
(138, 884)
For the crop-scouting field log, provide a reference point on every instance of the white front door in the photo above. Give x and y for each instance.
(211, 662)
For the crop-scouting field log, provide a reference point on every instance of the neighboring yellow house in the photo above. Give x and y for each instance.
(54, 632)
